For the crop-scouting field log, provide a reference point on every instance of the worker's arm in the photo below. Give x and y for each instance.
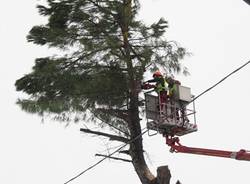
(146, 85)
(152, 80)
(157, 80)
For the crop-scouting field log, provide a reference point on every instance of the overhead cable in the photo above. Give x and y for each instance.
(221, 80)
(106, 157)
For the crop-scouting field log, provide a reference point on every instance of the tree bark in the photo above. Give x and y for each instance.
(163, 175)
(136, 146)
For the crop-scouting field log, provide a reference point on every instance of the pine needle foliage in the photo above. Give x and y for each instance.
(104, 46)
(104, 43)
(106, 50)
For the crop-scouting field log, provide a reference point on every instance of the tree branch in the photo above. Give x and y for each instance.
(115, 158)
(110, 136)
(125, 152)
(94, 113)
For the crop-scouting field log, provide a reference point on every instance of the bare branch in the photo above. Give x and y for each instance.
(108, 123)
(115, 158)
(125, 152)
(110, 136)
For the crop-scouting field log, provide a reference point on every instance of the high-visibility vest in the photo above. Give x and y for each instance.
(159, 87)
(172, 90)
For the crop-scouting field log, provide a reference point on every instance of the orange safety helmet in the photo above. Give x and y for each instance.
(157, 74)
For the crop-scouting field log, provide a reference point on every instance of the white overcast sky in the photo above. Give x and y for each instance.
(216, 32)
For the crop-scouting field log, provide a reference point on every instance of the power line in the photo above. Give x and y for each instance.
(147, 130)
(106, 157)
(221, 81)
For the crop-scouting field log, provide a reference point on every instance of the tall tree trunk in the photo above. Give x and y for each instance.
(136, 147)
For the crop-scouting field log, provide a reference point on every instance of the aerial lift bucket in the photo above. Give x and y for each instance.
(173, 117)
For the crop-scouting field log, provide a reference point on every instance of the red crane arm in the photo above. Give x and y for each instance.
(175, 145)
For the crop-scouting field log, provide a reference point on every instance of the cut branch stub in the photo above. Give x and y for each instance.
(163, 175)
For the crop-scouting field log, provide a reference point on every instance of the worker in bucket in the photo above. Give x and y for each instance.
(172, 87)
(160, 87)
(177, 107)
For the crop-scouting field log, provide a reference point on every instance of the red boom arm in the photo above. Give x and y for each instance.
(175, 145)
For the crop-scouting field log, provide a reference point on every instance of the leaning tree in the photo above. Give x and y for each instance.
(104, 51)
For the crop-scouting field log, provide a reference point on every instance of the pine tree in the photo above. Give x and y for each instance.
(106, 51)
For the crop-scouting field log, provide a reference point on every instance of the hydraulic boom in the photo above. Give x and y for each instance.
(175, 145)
